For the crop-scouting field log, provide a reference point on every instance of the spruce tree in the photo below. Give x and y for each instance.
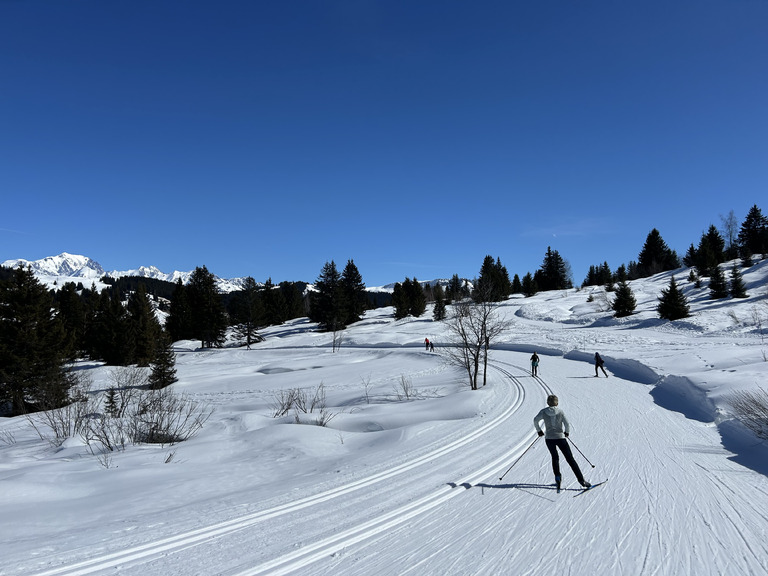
(33, 373)
(737, 287)
(328, 306)
(439, 310)
(529, 285)
(517, 286)
(248, 312)
(655, 256)
(554, 274)
(400, 301)
(353, 288)
(711, 251)
(718, 287)
(179, 322)
(753, 235)
(164, 365)
(209, 320)
(673, 305)
(143, 327)
(624, 304)
(417, 301)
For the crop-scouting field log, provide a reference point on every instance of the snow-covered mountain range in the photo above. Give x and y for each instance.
(57, 270)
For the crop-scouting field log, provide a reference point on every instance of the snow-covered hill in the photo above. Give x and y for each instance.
(405, 477)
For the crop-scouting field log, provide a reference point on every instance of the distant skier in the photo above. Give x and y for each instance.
(534, 364)
(558, 428)
(431, 346)
(599, 364)
(426, 344)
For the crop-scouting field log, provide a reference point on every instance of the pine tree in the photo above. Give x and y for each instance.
(247, 312)
(624, 304)
(209, 320)
(711, 251)
(400, 301)
(718, 287)
(328, 305)
(454, 290)
(164, 366)
(753, 235)
(353, 288)
(439, 310)
(179, 322)
(33, 372)
(517, 286)
(555, 272)
(143, 327)
(673, 305)
(737, 287)
(529, 285)
(655, 256)
(417, 301)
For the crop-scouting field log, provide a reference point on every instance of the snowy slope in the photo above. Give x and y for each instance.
(395, 486)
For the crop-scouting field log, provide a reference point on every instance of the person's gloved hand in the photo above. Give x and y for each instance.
(541, 433)
(566, 434)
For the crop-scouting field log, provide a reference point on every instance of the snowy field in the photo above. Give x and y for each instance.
(396, 485)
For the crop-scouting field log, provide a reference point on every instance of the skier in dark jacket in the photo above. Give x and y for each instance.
(534, 364)
(599, 364)
(558, 428)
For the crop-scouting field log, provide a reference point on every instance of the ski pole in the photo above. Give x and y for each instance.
(582, 453)
(521, 455)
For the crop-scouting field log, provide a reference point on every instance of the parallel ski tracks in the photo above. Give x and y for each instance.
(323, 548)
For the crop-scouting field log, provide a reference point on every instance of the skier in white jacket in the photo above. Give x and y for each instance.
(558, 428)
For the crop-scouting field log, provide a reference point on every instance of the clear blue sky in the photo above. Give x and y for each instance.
(266, 138)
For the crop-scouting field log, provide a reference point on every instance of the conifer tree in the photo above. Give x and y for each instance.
(624, 304)
(179, 322)
(400, 301)
(555, 272)
(439, 310)
(718, 287)
(33, 372)
(711, 251)
(454, 289)
(417, 301)
(655, 256)
(143, 327)
(673, 305)
(753, 235)
(328, 305)
(164, 365)
(248, 312)
(209, 320)
(529, 285)
(517, 286)
(353, 288)
(737, 287)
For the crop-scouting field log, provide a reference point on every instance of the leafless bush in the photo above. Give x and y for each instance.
(282, 402)
(164, 417)
(303, 402)
(55, 425)
(404, 389)
(7, 437)
(367, 386)
(750, 407)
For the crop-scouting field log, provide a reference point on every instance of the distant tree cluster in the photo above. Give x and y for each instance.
(408, 299)
(339, 299)
(493, 284)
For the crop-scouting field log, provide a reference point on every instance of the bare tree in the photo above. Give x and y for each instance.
(472, 328)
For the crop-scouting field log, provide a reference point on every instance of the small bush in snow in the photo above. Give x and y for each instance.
(750, 407)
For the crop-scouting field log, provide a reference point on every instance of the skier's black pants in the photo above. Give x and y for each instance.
(553, 444)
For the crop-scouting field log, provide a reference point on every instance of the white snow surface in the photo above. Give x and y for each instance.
(412, 486)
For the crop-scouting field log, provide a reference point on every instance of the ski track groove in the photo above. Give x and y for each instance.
(321, 549)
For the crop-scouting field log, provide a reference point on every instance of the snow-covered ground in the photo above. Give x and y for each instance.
(411, 486)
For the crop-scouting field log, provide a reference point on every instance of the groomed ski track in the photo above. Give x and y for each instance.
(655, 517)
(425, 476)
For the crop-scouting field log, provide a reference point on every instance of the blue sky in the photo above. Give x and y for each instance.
(266, 138)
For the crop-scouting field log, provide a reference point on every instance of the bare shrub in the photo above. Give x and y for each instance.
(750, 407)
(55, 425)
(404, 389)
(164, 417)
(303, 402)
(7, 437)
